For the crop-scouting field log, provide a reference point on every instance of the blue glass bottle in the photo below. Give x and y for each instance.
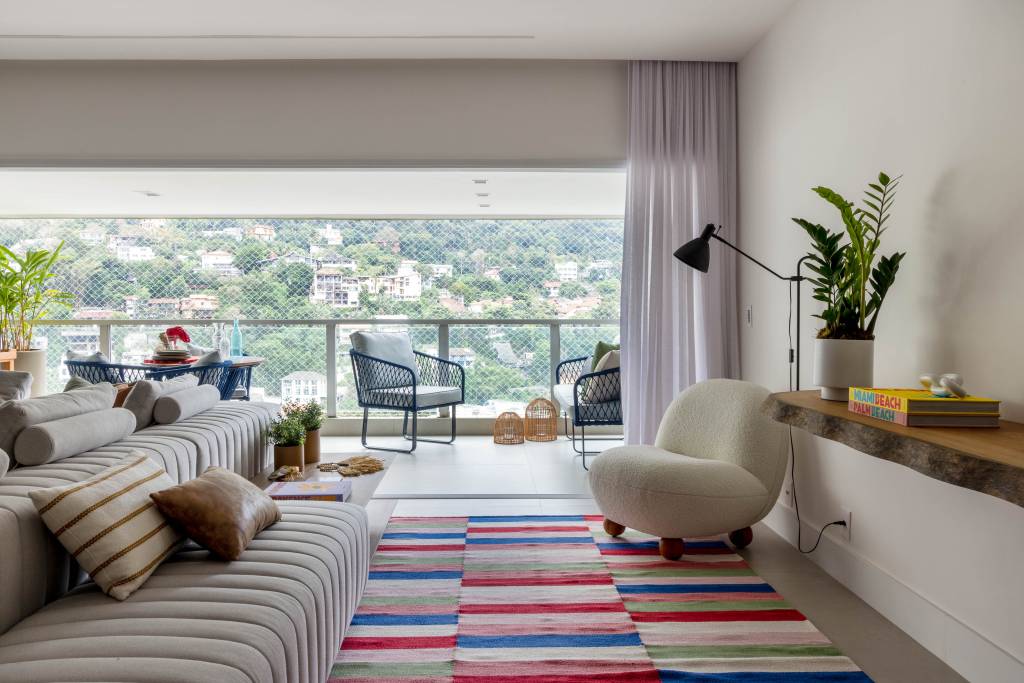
(236, 339)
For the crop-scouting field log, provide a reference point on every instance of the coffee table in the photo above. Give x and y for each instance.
(362, 487)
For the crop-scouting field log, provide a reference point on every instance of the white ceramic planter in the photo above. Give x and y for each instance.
(33, 362)
(843, 363)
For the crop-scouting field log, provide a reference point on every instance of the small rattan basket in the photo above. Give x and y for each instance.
(541, 420)
(508, 429)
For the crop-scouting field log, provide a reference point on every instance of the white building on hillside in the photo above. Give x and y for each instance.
(221, 261)
(335, 287)
(567, 271)
(133, 252)
(304, 386)
(331, 236)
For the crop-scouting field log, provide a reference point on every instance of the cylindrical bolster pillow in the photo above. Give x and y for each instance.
(59, 439)
(183, 404)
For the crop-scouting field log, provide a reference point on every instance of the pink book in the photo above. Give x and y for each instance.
(311, 490)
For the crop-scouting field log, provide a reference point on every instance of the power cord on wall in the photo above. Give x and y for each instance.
(792, 450)
(796, 503)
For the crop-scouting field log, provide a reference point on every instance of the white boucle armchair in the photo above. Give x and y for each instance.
(716, 466)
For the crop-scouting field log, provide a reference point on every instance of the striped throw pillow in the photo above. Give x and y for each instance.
(110, 525)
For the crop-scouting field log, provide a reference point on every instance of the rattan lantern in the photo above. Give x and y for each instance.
(508, 429)
(541, 420)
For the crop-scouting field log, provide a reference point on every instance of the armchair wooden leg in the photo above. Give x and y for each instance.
(613, 528)
(671, 548)
(741, 538)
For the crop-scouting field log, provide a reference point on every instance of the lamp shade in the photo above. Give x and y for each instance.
(697, 252)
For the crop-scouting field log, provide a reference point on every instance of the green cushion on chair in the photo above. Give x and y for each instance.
(599, 351)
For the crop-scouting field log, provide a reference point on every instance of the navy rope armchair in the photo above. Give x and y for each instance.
(588, 399)
(223, 375)
(385, 385)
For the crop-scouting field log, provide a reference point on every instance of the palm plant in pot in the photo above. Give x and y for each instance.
(288, 435)
(851, 279)
(25, 299)
(311, 415)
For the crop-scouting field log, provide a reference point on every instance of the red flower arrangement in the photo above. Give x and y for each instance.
(178, 332)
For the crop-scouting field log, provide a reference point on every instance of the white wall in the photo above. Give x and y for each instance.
(313, 113)
(932, 89)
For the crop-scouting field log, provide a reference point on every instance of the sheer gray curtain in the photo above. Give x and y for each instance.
(678, 325)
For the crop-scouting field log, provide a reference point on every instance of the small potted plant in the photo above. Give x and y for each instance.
(311, 415)
(851, 280)
(25, 299)
(288, 435)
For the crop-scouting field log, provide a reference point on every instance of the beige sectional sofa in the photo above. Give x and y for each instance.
(278, 613)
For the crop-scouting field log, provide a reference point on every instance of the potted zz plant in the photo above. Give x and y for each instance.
(288, 434)
(851, 280)
(25, 299)
(311, 415)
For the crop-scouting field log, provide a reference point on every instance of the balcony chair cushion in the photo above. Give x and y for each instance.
(109, 524)
(183, 404)
(602, 411)
(394, 347)
(16, 416)
(426, 396)
(141, 400)
(14, 385)
(604, 388)
(58, 439)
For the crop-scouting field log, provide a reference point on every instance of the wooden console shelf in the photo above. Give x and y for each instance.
(990, 461)
(7, 359)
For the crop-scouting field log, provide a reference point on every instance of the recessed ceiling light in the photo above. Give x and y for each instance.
(148, 193)
(483, 194)
(485, 206)
(480, 181)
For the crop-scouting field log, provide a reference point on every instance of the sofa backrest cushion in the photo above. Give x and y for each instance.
(51, 441)
(16, 416)
(394, 347)
(5, 463)
(182, 405)
(141, 400)
(14, 385)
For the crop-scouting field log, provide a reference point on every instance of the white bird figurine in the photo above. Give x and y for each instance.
(944, 386)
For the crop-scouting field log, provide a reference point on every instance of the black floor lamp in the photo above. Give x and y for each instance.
(697, 254)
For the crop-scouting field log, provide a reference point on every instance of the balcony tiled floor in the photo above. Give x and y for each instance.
(476, 466)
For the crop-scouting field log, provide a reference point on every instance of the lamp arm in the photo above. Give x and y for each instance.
(793, 278)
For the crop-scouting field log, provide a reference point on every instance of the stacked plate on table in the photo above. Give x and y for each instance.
(171, 354)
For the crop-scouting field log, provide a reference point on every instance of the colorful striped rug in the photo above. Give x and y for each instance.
(555, 599)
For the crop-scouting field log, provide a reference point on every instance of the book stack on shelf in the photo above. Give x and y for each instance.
(920, 408)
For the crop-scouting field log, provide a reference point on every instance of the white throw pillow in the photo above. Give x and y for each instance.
(109, 524)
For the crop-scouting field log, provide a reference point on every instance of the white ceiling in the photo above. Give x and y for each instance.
(284, 192)
(721, 30)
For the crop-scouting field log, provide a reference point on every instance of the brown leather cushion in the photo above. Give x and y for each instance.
(122, 393)
(219, 510)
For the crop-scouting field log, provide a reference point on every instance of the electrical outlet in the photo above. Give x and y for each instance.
(749, 313)
(846, 531)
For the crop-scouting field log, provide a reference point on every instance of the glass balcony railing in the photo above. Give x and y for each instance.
(507, 362)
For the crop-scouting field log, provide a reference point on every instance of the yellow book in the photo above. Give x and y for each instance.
(922, 401)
